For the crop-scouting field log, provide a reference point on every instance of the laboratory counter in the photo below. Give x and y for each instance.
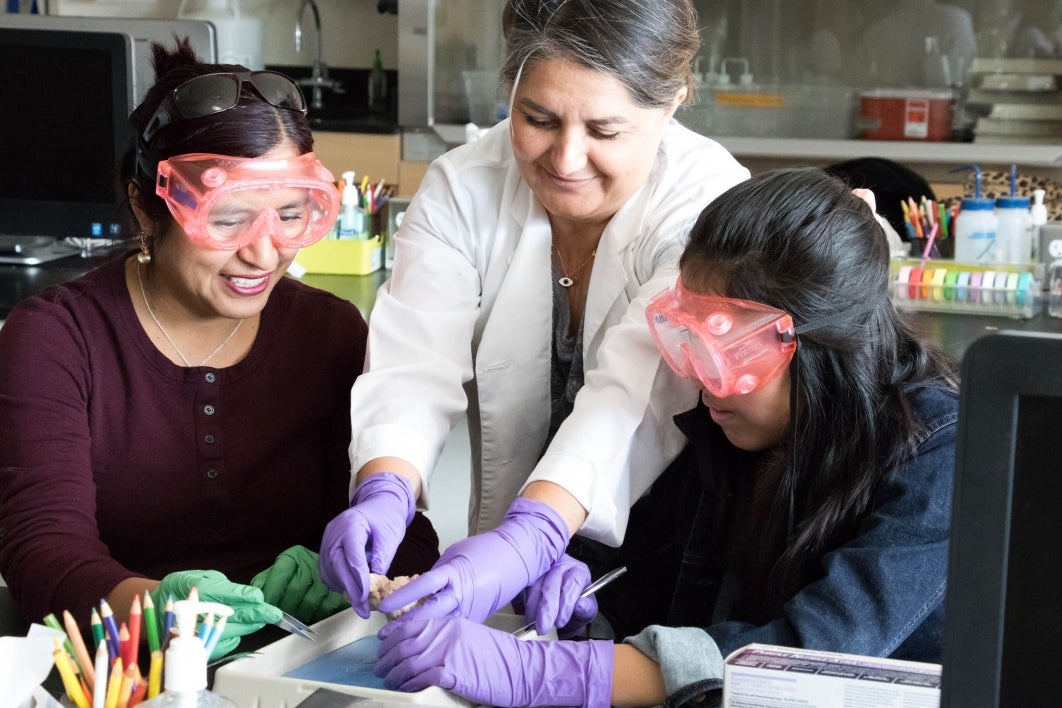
(953, 332)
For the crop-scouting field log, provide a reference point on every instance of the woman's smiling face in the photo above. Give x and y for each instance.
(580, 141)
(232, 284)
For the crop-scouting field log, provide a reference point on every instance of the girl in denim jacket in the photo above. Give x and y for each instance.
(811, 506)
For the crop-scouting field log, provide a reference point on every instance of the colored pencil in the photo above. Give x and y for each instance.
(139, 693)
(125, 689)
(151, 622)
(155, 674)
(135, 620)
(52, 621)
(124, 645)
(167, 618)
(66, 672)
(81, 654)
(99, 691)
(215, 635)
(111, 627)
(114, 684)
(97, 628)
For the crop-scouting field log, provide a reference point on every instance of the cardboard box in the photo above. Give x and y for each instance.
(764, 676)
(342, 256)
(905, 114)
(259, 681)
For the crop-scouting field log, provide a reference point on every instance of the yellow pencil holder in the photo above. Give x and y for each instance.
(343, 256)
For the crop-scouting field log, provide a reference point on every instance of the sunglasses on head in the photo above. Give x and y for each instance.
(216, 93)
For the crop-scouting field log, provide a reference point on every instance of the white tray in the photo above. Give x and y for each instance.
(258, 681)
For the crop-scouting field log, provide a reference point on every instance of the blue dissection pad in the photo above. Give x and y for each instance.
(350, 665)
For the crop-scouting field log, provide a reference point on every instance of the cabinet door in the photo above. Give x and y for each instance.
(373, 155)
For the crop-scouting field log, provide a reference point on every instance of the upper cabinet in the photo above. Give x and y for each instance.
(802, 80)
(914, 80)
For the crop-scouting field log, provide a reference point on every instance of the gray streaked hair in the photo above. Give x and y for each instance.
(648, 45)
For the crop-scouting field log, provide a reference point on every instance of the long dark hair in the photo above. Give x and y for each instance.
(799, 240)
(250, 129)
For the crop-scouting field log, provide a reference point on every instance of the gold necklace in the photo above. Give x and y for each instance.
(143, 294)
(566, 281)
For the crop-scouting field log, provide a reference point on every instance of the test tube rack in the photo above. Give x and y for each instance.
(939, 285)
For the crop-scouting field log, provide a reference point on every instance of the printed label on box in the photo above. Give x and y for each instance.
(762, 676)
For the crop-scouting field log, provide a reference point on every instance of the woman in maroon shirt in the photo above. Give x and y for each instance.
(187, 407)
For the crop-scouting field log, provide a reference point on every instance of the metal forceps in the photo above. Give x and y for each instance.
(290, 624)
(590, 590)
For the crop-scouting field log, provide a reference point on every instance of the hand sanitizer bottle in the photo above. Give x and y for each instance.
(186, 662)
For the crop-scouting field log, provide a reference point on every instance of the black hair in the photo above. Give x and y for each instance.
(891, 183)
(799, 240)
(250, 129)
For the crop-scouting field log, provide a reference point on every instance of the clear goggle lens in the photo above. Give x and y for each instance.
(731, 346)
(227, 203)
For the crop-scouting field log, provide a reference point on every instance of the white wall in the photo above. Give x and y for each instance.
(352, 29)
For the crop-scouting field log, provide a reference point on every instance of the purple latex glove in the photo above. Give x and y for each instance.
(365, 537)
(491, 667)
(479, 574)
(553, 600)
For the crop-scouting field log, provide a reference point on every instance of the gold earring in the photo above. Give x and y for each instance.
(145, 252)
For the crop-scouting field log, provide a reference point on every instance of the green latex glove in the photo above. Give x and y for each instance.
(294, 584)
(250, 612)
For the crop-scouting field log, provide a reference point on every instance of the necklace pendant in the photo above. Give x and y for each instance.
(565, 282)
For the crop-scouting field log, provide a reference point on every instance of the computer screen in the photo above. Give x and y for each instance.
(202, 35)
(64, 131)
(1004, 577)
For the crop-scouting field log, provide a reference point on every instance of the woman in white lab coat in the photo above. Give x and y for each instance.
(521, 273)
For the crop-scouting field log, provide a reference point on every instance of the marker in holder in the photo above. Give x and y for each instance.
(1009, 290)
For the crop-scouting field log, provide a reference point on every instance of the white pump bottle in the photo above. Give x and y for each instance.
(186, 662)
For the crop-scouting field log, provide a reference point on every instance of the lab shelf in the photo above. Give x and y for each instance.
(897, 150)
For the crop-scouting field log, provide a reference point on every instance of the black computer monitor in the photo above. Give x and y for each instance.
(64, 128)
(1004, 597)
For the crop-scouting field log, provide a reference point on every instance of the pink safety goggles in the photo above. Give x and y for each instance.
(731, 346)
(228, 202)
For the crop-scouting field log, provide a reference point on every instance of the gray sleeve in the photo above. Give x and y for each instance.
(689, 660)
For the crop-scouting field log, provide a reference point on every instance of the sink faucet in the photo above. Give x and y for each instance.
(319, 78)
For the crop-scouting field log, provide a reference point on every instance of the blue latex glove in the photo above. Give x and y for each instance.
(250, 612)
(491, 667)
(294, 584)
(553, 600)
(479, 574)
(365, 537)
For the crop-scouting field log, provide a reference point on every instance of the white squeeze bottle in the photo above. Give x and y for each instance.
(1014, 232)
(185, 665)
(1038, 215)
(975, 227)
(1015, 229)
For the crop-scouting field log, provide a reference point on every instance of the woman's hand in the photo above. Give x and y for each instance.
(491, 667)
(555, 599)
(365, 537)
(294, 584)
(479, 574)
(250, 611)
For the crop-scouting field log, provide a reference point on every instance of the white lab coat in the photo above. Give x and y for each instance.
(465, 324)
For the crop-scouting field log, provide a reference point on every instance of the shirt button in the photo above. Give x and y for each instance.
(208, 439)
(210, 377)
(208, 409)
(212, 473)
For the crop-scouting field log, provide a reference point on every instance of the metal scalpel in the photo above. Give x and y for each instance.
(590, 590)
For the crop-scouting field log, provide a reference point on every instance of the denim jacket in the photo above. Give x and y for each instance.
(880, 593)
